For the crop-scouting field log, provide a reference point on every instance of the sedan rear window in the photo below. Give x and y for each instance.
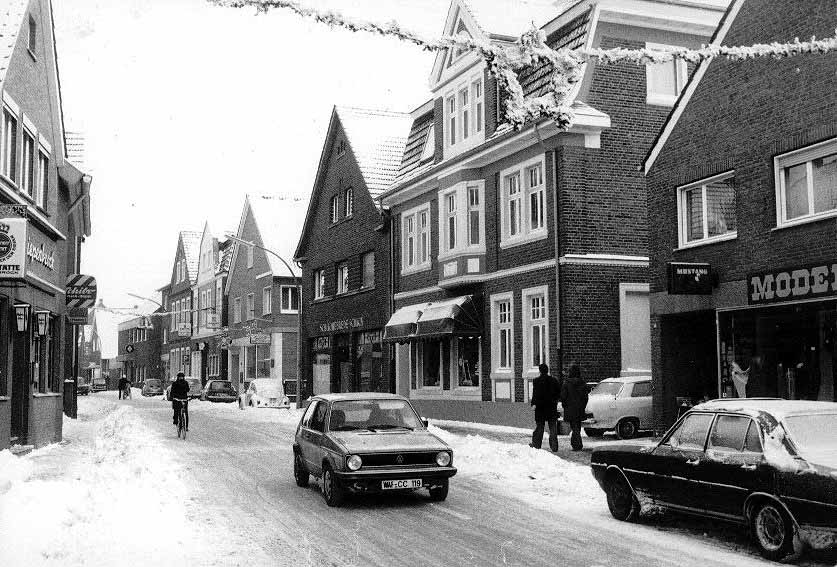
(606, 389)
(812, 432)
(153, 383)
(220, 387)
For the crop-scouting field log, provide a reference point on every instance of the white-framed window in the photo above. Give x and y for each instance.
(806, 184)
(523, 203)
(368, 270)
(250, 255)
(476, 211)
(451, 108)
(343, 278)
(707, 210)
(219, 296)
(349, 200)
(319, 284)
(449, 230)
(465, 111)
(477, 97)
(9, 146)
(415, 239)
(266, 307)
(502, 334)
(462, 218)
(236, 314)
(666, 80)
(464, 119)
(27, 181)
(535, 310)
(251, 306)
(42, 184)
(173, 316)
(334, 209)
(290, 299)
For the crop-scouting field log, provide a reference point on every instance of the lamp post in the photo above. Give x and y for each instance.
(298, 284)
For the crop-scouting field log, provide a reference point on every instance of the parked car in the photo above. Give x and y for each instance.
(152, 387)
(82, 388)
(622, 404)
(264, 393)
(98, 385)
(219, 391)
(369, 442)
(768, 463)
(195, 388)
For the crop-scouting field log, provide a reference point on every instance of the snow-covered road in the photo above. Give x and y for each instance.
(226, 496)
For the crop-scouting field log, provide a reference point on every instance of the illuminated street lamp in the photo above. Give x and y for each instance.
(22, 316)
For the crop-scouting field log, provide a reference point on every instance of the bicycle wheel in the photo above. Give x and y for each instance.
(181, 426)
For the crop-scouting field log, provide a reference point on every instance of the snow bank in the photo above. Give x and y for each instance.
(13, 470)
(116, 495)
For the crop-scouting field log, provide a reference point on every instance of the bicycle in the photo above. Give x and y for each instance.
(181, 418)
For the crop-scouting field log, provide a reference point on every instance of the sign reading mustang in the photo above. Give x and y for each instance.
(808, 282)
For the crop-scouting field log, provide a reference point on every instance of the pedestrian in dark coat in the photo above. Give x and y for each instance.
(122, 382)
(546, 392)
(574, 399)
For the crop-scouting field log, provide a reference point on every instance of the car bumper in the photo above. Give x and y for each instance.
(272, 405)
(149, 394)
(226, 399)
(370, 480)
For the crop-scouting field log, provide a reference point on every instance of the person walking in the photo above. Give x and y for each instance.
(546, 391)
(121, 386)
(574, 400)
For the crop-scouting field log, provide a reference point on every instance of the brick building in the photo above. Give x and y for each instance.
(44, 217)
(177, 297)
(346, 285)
(263, 292)
(139, 345)
(513, 248)
(743, 195)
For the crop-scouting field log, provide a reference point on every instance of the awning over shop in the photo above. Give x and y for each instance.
(458, 316)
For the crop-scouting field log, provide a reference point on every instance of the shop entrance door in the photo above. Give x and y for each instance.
(342, 378)
(20, 389)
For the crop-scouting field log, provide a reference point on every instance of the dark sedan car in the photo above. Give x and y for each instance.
(368, 442)
(767, 463)
(219, 391)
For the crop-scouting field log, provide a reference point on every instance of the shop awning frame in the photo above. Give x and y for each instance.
(457, 316)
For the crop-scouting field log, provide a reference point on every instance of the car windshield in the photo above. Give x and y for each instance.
(606, 389)
(220, 387)
(373, 414)
(812, 433)
(152, 383)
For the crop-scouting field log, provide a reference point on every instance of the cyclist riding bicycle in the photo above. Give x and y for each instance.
(180, 391)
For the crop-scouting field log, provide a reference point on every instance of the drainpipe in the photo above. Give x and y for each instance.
(387, 222)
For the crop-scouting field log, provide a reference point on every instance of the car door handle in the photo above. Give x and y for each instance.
(693, 462)
(748, 467)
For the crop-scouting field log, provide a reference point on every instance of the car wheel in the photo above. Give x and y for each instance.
(592, 432)
(621, 500)
(772, 531)
(300, 474)
(332, 491)
(440, 492)
(627, 428)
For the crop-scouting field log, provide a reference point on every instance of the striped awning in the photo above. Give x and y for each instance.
(457, 316)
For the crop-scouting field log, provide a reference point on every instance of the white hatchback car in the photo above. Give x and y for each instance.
(622, 404)
(264, 393)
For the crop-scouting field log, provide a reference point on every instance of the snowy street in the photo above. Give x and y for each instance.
(226, 496)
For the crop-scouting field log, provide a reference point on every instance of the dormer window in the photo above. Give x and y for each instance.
(464, 113)
(429, 151)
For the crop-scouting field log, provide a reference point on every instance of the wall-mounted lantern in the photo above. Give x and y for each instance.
(43, 322)
(22, 316)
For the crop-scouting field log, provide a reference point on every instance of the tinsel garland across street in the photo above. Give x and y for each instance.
(531, 50)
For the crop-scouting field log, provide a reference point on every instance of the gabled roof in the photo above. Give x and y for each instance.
(191, 250)
(377, 139)
(11, 22)
(512, 18)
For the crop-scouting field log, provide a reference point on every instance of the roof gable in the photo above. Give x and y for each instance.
(449, 62)
(11, 22)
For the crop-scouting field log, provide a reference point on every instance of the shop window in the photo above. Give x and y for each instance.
(9, 146)
(368, 265)
(665, 81)
(251, 306)
(427, 363)
(371, 363)
(707, 210)
(806, 183)
(262, 361)
(467, 356)
(266, 307)
(290, 299)
(319, 284)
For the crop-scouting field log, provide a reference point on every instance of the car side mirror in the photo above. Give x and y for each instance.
(425, 423)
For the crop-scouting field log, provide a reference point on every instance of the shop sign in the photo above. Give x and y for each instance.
(13, 248)
(184, 330)
(689, 278)
(81, 291)
(259, 339)
(39, 254)
(322, 343)
(341, 325)
(213, 321)
(805, 282)
(129, 349)
(78, 316)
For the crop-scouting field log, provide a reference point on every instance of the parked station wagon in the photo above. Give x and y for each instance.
(369, 442)
(768, 463)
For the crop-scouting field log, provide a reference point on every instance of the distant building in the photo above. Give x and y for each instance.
(139, 347)
(177, 299)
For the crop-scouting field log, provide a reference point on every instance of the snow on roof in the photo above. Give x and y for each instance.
(192, 250)
(279, 220)
(377, 139)
(11, 21)
(512, 18)
(777, 407)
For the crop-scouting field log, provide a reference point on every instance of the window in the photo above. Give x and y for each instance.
(465, 110)
(474, 215)
(42, 183)
(237, 310)
(341, 148)
(350, 202)
(44, 356)
(368, 266)
(9, 165)
(476, 90)
(426, 361)
(502, 333)
(691, 435)
(452, 120)
(250, 254)
(641, 390)
(462, 218)
(173, 316)
(523, 202)
(266, 307)
(707, 210)
(806, 183)
(262, 361)
(665, 80)
(424, 237)
(318, 420)
(535, 328)
(33, 35)
(535, 191)
(251, 306)
(410, 240)
(342, 278)
(729, 432)
(429, 151)
(450, 221)
(752, 443)
(415, 242)
(213, 365)
(319, 284)
(334, 209)
(27, 183)
(511, 186)
(467, 361)
(290, 299)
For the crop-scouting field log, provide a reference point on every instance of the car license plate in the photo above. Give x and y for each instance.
(272, 400)
(397, 484)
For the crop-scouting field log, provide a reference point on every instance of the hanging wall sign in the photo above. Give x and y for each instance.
(689, 278)
(81, 291)
(13, 233)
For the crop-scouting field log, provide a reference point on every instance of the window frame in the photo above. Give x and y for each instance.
(806, 155)
(251, 306)
(9, 144)
(42, 180)
(496, 329)
(267, 303)
(417, 361)
(348, 202)
(319, 284)
(334, 209)
(529, 323)
(342, 279)
(28, 163)
(682, 215)
(465, 113)
(289, 309)
(681, 77)
(420, 247)
(454, 368)
(367, 272)
(237, 310)
(525, 232)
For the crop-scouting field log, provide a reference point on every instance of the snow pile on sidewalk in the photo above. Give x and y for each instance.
(532, 475)
(119, 496)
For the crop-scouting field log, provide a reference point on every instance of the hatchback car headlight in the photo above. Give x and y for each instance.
(443, 458)
(354, 462)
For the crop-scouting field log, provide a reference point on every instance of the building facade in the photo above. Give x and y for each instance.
(519, 247)
(743, 193)
(346, 285)
(263, 293)
(44, 217)
(139, 347)
(177, 297)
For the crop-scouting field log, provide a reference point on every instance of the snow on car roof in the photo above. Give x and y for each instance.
(346, 396)
(777, 407)
(627, 379)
